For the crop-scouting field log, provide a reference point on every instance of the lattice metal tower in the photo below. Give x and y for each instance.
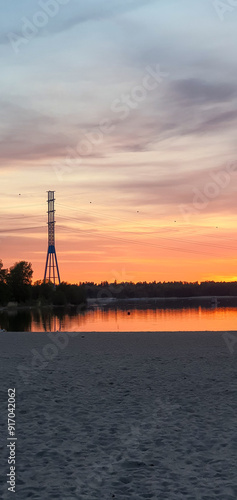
(51, 267)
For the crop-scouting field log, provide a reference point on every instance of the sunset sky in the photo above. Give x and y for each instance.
(128, 110)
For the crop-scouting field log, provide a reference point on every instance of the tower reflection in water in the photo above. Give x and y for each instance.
(130, 319)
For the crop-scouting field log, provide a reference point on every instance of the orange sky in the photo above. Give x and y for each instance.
(96, 243)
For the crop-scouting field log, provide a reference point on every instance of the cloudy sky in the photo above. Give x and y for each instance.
(128, 110)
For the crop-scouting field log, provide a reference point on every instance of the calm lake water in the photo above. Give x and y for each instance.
(127, 317)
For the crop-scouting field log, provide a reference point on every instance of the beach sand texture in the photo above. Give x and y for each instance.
(129, 416)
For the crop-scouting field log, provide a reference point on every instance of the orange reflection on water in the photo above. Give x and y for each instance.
(109, 320)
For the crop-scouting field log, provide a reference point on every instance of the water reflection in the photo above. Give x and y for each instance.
(16, 321)
(127, 316)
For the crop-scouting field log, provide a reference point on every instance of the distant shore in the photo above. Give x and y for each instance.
(28, 307)
(100, 302)
(133, 300)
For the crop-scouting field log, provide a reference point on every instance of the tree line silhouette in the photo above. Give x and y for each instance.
(180, 289)
(16, 286)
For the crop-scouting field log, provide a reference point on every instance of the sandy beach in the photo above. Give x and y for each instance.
(129, 416)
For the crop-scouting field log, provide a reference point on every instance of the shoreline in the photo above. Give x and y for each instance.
(120, 333)
(31, 307)
(113, 301)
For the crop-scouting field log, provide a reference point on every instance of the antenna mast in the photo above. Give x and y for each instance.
(51, 268)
